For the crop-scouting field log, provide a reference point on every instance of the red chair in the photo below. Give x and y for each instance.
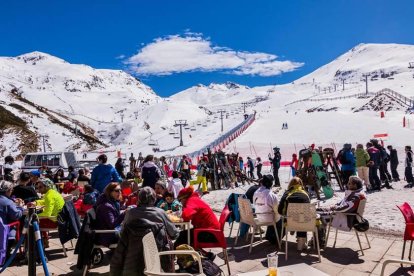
(17, 225)
(409, 226)
(218, 234)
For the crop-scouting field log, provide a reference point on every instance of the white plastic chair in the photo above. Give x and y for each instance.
(358, 215)
(394, 261)
(152, 257)
(247, 217)
(301, 217)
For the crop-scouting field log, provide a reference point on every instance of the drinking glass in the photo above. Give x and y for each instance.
(272, 262)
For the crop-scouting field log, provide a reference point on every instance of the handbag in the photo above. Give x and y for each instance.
(361, 225)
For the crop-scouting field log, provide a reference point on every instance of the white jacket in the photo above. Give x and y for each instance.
(264, 201)
(174, 186)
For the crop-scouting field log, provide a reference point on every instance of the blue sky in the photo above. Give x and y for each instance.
(172, 45)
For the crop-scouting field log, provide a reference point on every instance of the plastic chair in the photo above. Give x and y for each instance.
(17, 225)
(301, 217)
(247, 217)
(394, 261)
(357, 215)
(152, 257)
(409, 226)
(218, 234)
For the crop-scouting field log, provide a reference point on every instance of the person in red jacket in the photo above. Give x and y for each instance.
(294, 164)
(199, 213)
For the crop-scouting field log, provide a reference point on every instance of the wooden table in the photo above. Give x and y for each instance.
(296, 270)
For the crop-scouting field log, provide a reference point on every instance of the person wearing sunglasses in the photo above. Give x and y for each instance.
(108, 213)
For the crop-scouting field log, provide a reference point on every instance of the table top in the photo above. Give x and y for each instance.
(296, 269)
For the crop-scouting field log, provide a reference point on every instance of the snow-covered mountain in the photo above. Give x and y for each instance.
(71, 104)
(112, 110)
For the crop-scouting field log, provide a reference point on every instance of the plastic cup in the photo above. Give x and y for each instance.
(272, 262)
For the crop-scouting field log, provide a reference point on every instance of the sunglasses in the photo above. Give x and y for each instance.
(116, 190)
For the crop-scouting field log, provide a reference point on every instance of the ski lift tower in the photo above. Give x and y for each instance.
(221, 111)
(180, 123)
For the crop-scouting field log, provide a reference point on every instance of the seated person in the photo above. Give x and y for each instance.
(169, 203)
(90, 195)
(295, 193)
(27, 193)
(53, 203)
(349, 204)
(59, 176)
(9, 210)
(159, 189)
(175, 185)
(108, 213)
(264, 201)
(137, 223)
(82, 176)
(200, 214)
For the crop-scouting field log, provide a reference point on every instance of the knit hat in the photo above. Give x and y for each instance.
(185, 193)
(48, 183)
(5, 186)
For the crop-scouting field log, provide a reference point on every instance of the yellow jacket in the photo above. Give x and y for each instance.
(53, 203)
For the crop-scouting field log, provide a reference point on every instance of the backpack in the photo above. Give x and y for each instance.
(189, 265)
(342, 157)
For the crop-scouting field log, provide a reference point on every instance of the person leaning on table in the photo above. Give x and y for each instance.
(52, 202)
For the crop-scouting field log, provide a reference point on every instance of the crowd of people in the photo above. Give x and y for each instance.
(145, 196)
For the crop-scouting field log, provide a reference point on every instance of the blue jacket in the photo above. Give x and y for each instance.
(102, 175)
(9, 212)
(350, 164)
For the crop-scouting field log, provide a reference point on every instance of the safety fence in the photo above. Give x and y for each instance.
(225, 139)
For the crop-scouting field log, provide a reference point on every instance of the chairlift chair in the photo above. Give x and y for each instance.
(205, 125)
(193, 128)
(152, 142)
(199, 123)
(171, 131)
(176, 135)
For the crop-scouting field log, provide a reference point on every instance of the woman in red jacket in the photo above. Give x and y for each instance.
(199, 213)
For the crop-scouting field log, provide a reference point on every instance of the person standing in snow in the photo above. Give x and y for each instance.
(251, 167)
(348, 162)
(150, 172)
(103, 174)
(259, 166)
(362, 159)
(394, 163)
(294, 164)
(276, 164)
(119, 167)
(385, 176)
(373, 164)
(409, 167)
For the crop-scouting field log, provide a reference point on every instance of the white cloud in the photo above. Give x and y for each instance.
(192, 52)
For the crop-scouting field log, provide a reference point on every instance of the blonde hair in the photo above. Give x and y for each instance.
(294, 182)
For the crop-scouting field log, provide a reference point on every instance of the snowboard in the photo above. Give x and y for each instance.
(322, 177)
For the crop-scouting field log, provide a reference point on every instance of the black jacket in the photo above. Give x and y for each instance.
(85, 242)
(393, 157)
(128, 258)
(292, 196)
(68, 223)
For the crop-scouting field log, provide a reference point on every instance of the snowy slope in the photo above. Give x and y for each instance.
(124, 114)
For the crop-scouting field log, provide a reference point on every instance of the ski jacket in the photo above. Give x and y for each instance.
(102, 175)
(296, 194)
(8, 210)
(264, 201)
(374, 156)
(393, 157)
(259, 166)
(150, 174)
(294, 163)
(28, 194)
(199, 213)
(276, 160)
(362, 157)
(53, 203)
(108, 216)
(250, 164)
(350, 161)
(409, 159)
(351, 201)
